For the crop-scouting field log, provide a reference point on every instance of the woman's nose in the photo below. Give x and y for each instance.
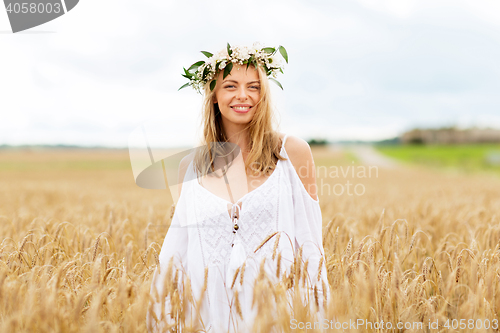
(241, 94)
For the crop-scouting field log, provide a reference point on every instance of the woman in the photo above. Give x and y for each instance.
(247, 204)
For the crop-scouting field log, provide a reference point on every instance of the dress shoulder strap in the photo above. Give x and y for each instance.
(283, 142)
(191, 173)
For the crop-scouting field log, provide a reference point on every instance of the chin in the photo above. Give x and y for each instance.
(238, 119)
(241, 121)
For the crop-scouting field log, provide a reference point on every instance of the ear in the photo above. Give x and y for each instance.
(214, 99)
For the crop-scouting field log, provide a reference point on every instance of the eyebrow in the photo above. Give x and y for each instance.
(238, 82)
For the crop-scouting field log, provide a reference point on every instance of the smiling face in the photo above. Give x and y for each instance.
(237, 95)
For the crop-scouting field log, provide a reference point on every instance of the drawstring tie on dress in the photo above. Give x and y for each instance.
(238, 254)
(235, 213)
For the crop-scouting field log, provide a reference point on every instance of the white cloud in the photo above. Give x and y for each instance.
(358, 69)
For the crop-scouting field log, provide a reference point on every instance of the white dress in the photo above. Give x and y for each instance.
(201, 235)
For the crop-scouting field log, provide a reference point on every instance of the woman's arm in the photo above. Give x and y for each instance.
(302, 160)
(174, 248)
(307, 212)
(184, 163)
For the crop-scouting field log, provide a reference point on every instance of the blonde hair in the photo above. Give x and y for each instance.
(265, 143)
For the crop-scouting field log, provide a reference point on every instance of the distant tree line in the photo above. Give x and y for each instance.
(317, 142)
(450, 135)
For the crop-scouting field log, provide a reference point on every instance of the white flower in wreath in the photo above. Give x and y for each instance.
(222, 54)
(199, 72)
(261, 55)
(211, 61)
(257, 46)
(242, 53)
(273, 61)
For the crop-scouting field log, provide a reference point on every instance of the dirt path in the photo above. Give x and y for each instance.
(367, 155)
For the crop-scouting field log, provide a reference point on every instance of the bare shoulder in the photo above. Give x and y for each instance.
(183, 165)
(296, 146)
(301, 157)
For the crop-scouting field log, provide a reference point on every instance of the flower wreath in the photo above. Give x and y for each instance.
(201, 72)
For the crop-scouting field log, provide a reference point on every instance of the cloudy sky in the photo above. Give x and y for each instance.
(366, 69)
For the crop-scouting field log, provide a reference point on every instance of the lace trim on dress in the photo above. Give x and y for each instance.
(258, 218)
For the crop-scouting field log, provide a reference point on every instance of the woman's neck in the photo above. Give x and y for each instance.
(239, 136)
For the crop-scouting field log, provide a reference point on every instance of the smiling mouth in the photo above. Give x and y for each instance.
(241, 108)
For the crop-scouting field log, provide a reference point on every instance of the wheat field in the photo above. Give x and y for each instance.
(80, 243)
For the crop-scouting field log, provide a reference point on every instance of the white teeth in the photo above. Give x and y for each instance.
(241, 108)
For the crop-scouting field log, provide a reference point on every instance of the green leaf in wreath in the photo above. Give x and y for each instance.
(229, 51)
(270, 50)
(212, 85)
(283, 53)
(254, 63)
(249, 61)
(275, 81)
(207, 54)
(205, 73)
(196, 65)
(183, 86)
(227, 70)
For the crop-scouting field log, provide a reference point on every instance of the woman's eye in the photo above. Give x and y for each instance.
(229, 86)
(255, 87)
